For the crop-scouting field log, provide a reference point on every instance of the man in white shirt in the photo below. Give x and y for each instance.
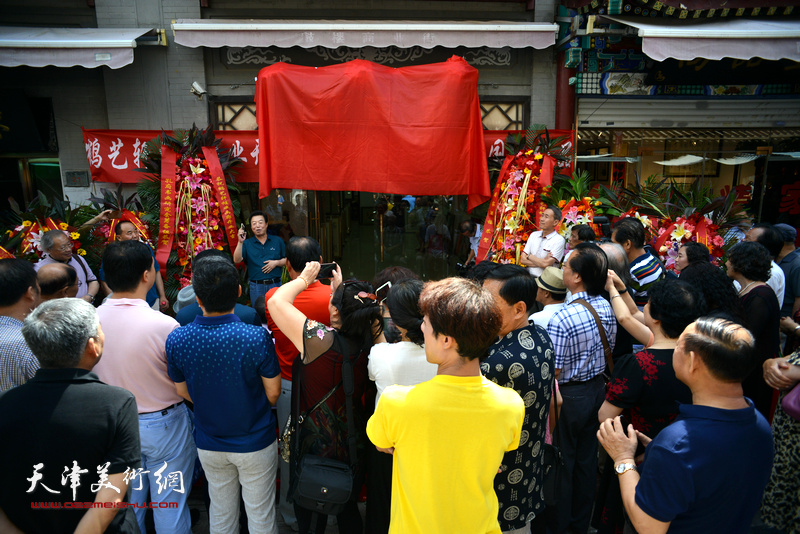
(551, 294)
(546, 246)
(472, 231)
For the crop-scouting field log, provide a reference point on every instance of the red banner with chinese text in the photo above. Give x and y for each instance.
(166, 230)
(114, 154)
(221, 192)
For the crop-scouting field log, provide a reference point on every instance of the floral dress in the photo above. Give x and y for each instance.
(324, 431)
(780, 507)
(645, 387)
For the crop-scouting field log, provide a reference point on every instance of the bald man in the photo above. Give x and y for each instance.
(57, 281)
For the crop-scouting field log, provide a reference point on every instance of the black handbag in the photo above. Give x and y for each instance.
(323, 485)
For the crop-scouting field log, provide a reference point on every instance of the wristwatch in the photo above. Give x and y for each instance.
(624, 467)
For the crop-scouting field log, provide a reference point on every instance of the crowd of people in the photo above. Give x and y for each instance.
(587, 388)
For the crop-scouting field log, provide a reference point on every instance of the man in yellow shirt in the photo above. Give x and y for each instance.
(448, 435)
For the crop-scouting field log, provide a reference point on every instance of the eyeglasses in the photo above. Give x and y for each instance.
(361, 294)
(63, 248)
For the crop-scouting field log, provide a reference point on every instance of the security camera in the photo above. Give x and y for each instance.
(197, 90)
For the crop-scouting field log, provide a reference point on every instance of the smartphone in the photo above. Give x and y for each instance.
(326, 270)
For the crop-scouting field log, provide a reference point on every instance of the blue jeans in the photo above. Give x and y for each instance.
(259, 290)
(168, 453)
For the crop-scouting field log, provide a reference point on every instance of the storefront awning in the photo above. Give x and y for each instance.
(737, 38)
(357, 34)
(68, 47)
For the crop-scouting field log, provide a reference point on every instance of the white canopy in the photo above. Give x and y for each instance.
(357, 34)
(734, 38)
(68, 47)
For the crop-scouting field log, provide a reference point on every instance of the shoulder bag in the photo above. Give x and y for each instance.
(324, 485)
(606, 347)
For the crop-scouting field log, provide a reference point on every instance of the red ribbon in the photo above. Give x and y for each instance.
(166, 229)
(4, 254)
(221, 192)
(702, 231)
(488, 225)
(663, 238)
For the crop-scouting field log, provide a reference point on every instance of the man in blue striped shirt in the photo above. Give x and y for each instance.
(579, 364)
(646, 270)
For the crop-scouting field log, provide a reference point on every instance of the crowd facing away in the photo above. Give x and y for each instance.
(587, 389)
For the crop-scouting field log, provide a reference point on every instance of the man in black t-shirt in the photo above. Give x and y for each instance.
(70, 441)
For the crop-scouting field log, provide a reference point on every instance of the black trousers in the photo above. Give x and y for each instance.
(379, 491)
(577, 437)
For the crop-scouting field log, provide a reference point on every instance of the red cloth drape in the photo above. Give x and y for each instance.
(360, 126)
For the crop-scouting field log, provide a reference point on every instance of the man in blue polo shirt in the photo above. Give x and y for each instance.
(230, 371)
(265, 256)
(707, 470)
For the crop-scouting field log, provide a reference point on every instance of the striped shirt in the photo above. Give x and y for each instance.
(17, 362)
(646, 270)
(576, 340)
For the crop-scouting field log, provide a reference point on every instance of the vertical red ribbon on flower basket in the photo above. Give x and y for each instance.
(663, 238)
(488, 225)
(221, 192)
(701, 230)
(166, 229)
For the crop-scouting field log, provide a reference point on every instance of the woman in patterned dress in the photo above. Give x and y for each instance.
(355, 321)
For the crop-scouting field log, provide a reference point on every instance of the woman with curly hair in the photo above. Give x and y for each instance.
(749, 263)
(717, 289)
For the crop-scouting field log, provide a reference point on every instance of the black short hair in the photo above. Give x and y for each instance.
(675, 303)
(717, 289)
(771, 238)
(66, 277)
(467, 227)
(629, 229)
(255, 214)
(16, 276)
(696, 252)
(118, 227)
(727, 348)
(212, 253)
(556, 211)
(751, 259)
(479, 271)
(591, 263)
(301, 250)
(518, 284)
(216, 283)
(124, 262)
(403, 303)
(584, 232)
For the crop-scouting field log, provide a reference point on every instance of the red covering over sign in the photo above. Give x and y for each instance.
(360, 126)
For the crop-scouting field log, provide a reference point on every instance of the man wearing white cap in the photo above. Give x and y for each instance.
(551, 295)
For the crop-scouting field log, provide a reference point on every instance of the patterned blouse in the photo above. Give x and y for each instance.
(523, 361)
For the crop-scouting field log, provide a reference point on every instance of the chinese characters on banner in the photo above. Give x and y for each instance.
(113, 155)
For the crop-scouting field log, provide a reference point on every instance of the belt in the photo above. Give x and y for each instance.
(164, 411)
(270, 281)
(579, 382)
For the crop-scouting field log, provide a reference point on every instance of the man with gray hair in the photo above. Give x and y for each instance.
(618, 259)
(73, 438)
(57, 246)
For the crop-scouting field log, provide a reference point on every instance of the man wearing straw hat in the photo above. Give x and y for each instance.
(550, 295)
